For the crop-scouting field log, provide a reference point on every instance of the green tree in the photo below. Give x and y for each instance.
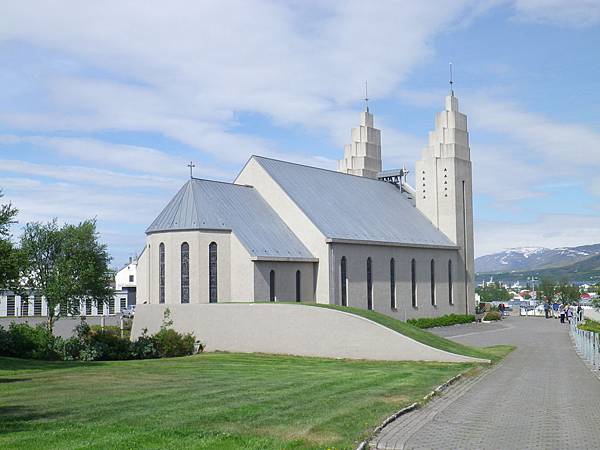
(493, 292)
(567, 293)
(7, 218)
(10, 257)
(66, 264)
(546, 289)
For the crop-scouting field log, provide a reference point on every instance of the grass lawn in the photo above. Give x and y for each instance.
(215, 401)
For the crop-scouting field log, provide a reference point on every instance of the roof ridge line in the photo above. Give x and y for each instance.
(314, 167)
(222, 182)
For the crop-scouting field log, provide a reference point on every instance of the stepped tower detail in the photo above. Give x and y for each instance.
(363, 156)
(443, 185)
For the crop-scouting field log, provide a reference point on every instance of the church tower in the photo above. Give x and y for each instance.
(443, 185)
(363, 156)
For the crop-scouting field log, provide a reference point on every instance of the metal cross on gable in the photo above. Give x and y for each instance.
(191, 165)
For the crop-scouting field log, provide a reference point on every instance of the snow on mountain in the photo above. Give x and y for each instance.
(532, 258)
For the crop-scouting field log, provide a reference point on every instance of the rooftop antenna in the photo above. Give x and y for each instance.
(366, 97)
(191, 165)
(451, 82)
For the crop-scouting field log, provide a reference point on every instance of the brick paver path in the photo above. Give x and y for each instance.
(542, 396)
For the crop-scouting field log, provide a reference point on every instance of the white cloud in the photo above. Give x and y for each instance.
(573, 13)
(550, 230)
(189, 70)
(87, 175)
(38, 200)
(186, 70)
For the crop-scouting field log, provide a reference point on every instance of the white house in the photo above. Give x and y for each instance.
(35, 305)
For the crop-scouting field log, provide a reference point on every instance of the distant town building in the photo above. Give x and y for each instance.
(35, 305)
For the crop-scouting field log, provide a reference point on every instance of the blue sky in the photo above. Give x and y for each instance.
(103, 105)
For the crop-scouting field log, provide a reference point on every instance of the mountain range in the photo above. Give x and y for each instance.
(579, 264)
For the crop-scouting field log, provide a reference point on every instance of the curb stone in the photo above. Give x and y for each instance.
(364, 444)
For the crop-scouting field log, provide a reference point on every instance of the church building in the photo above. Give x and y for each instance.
(359, 236)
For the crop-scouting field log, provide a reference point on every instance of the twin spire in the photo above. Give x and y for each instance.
(363, 156)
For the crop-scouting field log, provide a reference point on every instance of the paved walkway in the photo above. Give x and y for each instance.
(542, 396)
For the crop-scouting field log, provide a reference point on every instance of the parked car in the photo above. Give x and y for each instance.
(128, 312)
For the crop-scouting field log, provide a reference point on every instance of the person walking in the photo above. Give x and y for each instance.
(569, 313)
(555, 309)
(562, 313)
(579, 313)
(547, 309)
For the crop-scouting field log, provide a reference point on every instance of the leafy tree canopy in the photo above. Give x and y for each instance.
(546, 290)
(567, 293)
(66, 264)
(10, 257)
(7, 217)
(493, 292)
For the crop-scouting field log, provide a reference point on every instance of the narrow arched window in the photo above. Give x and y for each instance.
(413, 282)
(212, 273)
(272, 286)
(450, 285)
(344, 281)
(185, 273)
(392, 283)
(161, 273)
(432, 283)
(298, 284)
(369, 284)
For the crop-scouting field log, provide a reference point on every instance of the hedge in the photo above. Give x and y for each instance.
(492, 315)
(93, 343)
(442, 321)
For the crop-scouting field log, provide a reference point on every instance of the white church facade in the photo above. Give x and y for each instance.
(358, 237)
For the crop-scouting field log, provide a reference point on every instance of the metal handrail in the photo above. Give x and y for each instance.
(587, 343)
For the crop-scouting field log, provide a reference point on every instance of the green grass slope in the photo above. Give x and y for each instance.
(492, 353)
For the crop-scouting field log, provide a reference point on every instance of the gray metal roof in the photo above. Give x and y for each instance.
(349, 207)
(213, 205)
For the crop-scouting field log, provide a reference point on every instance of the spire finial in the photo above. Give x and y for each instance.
(451, 82)
(366, 97)
(191, 165)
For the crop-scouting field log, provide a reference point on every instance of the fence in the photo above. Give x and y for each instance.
(587, 343)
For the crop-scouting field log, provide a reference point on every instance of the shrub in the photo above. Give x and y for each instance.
(144, 347)
(109, 347)
(590, 325)
(109, 329)
(66, 349)
(442, 321)
(170, 343)
(25, 341)
(492, 315)
(93, 343)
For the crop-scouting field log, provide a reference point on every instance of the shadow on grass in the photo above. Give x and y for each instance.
(13, 380)
(10, 364)
(16, 418)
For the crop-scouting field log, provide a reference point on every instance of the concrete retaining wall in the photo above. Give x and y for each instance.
(289, 329)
